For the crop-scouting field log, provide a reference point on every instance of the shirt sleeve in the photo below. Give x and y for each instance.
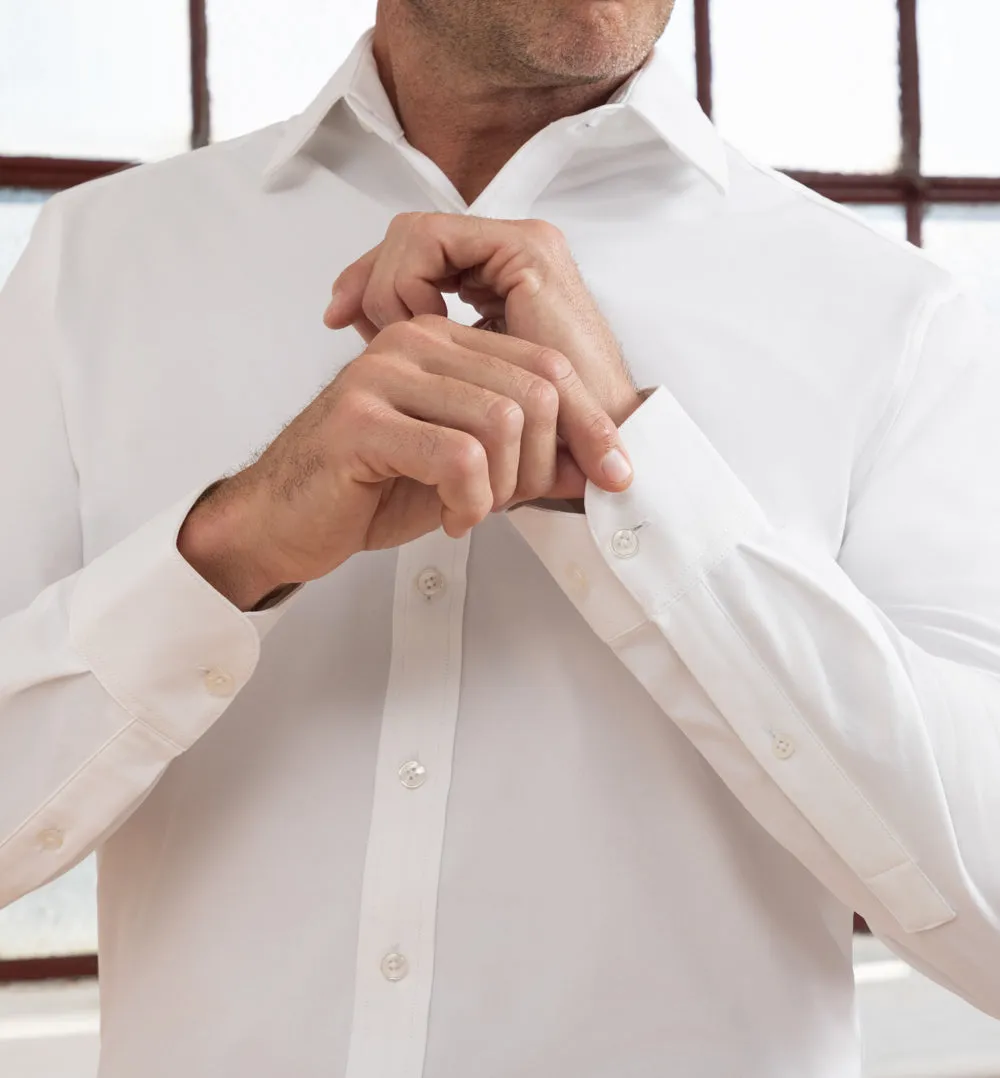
(107, 670)
(851, 703)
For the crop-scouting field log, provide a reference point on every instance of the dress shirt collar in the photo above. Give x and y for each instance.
(654, 92)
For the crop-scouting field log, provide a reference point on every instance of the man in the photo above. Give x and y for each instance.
(399, 759)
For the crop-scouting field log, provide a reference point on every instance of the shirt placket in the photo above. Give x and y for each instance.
(395, 959)
(396, 934)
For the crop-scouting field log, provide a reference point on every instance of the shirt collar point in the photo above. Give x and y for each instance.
(297, 131)
(659, 96)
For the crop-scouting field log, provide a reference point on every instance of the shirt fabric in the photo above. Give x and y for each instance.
(577, 796)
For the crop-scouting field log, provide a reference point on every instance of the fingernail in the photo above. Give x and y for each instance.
(616, 466)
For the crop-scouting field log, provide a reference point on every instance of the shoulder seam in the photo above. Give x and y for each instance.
(835, 208)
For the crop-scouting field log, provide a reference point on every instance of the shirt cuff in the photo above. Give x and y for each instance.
(685, 512)
(164, 644)
(637, 551)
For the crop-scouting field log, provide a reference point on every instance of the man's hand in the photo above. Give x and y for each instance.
(435, 425)
(518, 273)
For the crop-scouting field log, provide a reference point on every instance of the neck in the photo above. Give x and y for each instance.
(467, 122)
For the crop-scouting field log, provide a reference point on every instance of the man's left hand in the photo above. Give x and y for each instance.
(519, 274)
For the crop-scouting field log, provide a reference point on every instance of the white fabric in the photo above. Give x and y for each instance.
(593, 799)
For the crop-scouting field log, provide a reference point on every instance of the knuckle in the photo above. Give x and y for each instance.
(601, 429)
(380, 362)
(467, 457)
(404, 221)
(542, 400)
(545, 234)
(402, 336)
(553, 366)
(433, 324)
(353, 376)
(357, 408)
(504, 418)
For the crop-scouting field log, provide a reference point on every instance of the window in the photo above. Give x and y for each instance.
(877, 103)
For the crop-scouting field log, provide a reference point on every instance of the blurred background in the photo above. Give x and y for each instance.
(887, 105)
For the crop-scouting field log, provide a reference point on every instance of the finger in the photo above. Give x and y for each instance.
(424, 253)
(349, 290)
(419, 296)
(451, 461)
(381, 304)
(589, 432)
(377, 288)
(537, 400)
(367, 330)
(494, 420)
(393, 294)
(587, 429)
(440, 245)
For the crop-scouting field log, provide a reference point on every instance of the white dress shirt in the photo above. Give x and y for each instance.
(582, 795)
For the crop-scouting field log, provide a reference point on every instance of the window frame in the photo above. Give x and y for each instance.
(907, 186)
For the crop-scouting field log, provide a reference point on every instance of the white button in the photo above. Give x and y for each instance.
(577, 580)
(430, 582)
(412, 774)
(219, 682)
(782, 747)
(50, 839)
(625, 544)
(395, 966)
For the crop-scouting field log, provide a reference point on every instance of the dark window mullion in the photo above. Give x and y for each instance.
(703, 54)
(910, 118)
(200, 106)
(53, 173)
(17, 970)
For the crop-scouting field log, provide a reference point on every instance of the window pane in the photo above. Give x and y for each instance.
(678, 42)
(94, 78)
(59, 919)
(803, 85)
(966, 239)
(959, 86)
(265, 65)
(888, 219)
(18, 211)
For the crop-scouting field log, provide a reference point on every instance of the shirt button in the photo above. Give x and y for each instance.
(625, 544)
(430, 582)
(219, 682)
(782, 747)
(579, 585)
(50, 839)
(395, 966)
(412, 774)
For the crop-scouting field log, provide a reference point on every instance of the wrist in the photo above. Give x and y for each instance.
(220, 540)
(629, 404)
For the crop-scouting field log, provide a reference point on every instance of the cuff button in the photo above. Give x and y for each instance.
(50, 839)
(625, 543)
(218, 682)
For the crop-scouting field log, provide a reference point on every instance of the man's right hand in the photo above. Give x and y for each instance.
(434, 425)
